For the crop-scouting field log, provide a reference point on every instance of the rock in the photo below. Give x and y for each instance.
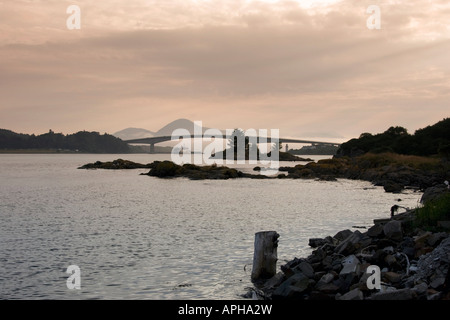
(354, 294)
(392, 277)
(393, 230)
(350, 244)
(293, 288)
(434, 192)
(350, 264)
(317, 256)
(274, 282)
(325, 279)
(421, 241)
(437, 282)
(392, 262)
(420, 289)
(434, 263)
(401, 294)
(342, 235)
(305, 268)
(393, 187)
(318, 242)
(345, 281)
(435, 239)
(375, 231)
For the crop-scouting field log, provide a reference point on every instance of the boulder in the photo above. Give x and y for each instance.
(318, 242)
(434, 192)
(392, 277)
(305, 268)
(393, 187)
(350, 244)
(342, 235)
(293, 288)
(393, 230)
(350, 264)
(375, 231)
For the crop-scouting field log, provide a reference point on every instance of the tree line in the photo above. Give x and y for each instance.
(429, 141)
(82, 141)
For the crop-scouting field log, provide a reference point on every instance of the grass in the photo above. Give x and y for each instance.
(401, 159)
(432, 212)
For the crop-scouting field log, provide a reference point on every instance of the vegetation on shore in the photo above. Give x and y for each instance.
(429, 141)
(432, 212)
(83, 141)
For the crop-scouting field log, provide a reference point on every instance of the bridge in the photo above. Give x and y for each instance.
(154, 140)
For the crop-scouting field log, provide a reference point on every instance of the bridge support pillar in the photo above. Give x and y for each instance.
(152, 148)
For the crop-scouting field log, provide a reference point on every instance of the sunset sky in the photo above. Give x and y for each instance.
(312, 69)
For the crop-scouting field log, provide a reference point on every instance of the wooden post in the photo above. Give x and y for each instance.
(265, 255)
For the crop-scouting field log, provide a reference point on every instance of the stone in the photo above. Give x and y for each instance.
(393, 187)
(401, 294)
(293, 288)
(342, 235)
(316, 242)
(421, 288)
(392, 262)
(305, 268)
(437, 282)
(392, 277)
(375, 231)
(422, 240)
(393, 230)
(435, 239)
(345, 281)
(275, 281)
(350, 264)
(325, 279)
(354, 294)
(350, 244)
(434, 192)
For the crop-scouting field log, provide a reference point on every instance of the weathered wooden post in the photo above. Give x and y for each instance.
(265, 255)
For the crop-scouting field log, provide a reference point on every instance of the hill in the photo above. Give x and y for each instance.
(133, 133)
(82, 141)
(178, 124)
(429, 141)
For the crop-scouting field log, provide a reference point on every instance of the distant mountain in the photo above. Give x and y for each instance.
(177, 124)
(133, 133)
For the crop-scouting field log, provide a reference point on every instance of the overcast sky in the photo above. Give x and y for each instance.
(312, 69)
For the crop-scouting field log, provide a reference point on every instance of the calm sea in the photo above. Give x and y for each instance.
(140, 237)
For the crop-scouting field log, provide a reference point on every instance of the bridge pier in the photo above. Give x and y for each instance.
(152, 148)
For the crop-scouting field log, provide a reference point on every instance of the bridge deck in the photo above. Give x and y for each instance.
(154, 140)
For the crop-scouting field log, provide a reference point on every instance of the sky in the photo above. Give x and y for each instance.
(312, 69)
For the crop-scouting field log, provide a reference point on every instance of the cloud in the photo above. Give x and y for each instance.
(257, 64)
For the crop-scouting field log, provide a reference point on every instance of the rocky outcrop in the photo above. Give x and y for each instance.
(393, 172)
(414, 265)
(118, 164)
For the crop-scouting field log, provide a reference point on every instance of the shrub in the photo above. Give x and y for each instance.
(433, 211)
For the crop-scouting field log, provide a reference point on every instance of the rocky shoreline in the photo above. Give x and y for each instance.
(394, 172)
(414, 264)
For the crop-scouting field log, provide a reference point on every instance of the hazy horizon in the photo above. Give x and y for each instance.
(312, 71)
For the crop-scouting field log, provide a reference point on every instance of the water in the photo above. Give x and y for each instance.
(140, 237)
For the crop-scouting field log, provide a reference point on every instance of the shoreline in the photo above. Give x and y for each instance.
(413, 264)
